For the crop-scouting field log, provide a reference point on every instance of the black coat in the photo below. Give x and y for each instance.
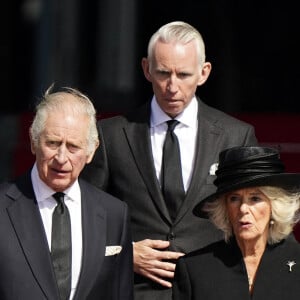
(123, 166)
(218, 272)
(26, 270)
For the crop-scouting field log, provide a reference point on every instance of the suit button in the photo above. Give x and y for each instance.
(171, 236)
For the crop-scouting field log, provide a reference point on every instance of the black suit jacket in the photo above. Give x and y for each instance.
(123, 166)
(25, 264)
(218, 272)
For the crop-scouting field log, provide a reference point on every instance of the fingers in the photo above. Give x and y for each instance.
(160, 281)
(169, 255)
(159, 272)
(150, 250)
(153, 263)
(154, 244)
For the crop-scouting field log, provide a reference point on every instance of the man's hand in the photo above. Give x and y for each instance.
(152, 261)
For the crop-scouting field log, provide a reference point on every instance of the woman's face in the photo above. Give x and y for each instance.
(249, 212)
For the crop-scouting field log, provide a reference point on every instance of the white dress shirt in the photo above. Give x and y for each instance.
(47, 204)
(186, 132)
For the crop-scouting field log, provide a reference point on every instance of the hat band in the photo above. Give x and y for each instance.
(250, 170)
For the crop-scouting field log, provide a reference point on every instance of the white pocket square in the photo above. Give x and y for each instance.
(213, 169)
(112, 250)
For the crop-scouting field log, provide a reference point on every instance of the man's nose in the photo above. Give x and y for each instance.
(61, 155)
(172, 84)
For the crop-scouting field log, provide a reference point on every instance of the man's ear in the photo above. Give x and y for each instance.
(91, 155)
(146, 69)
(32, 145)
(204, 73)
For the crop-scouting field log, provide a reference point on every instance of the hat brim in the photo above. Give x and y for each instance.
(287, 181)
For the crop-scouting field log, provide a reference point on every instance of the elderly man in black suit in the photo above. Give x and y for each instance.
(131, 162)
(62, 238)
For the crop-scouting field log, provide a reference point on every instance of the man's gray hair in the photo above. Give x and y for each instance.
(55, 101)
(180, 32)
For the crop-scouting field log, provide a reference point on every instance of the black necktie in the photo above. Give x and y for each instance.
(172, 185)
(61, 246)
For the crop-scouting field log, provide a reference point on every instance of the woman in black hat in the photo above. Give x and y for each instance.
(256, 205)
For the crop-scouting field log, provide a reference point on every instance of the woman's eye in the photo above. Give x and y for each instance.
(255, 199)
(233, 198)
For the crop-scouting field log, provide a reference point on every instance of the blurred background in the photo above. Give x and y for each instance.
(97, 46)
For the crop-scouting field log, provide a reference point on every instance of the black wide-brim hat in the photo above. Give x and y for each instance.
(242, 167)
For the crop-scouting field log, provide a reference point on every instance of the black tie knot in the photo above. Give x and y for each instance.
(59, 197)
(172, 124)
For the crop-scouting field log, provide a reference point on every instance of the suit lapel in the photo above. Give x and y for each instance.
(93, 221)
(138, 135)
(208, 138)
(27, 223)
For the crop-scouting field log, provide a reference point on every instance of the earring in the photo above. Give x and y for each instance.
(272, 222)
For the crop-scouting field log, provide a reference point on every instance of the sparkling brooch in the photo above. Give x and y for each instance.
(290, 264)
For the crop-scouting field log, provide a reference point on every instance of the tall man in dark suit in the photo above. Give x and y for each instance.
(128, 163)
(95, 251)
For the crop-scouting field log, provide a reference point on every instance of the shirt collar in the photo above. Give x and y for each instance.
(187, 117)
(43, 191)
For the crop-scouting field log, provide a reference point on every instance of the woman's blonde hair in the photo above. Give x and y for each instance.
(284, 213)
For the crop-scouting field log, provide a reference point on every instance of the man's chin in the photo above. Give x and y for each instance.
(59, 184)
(173, 111)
